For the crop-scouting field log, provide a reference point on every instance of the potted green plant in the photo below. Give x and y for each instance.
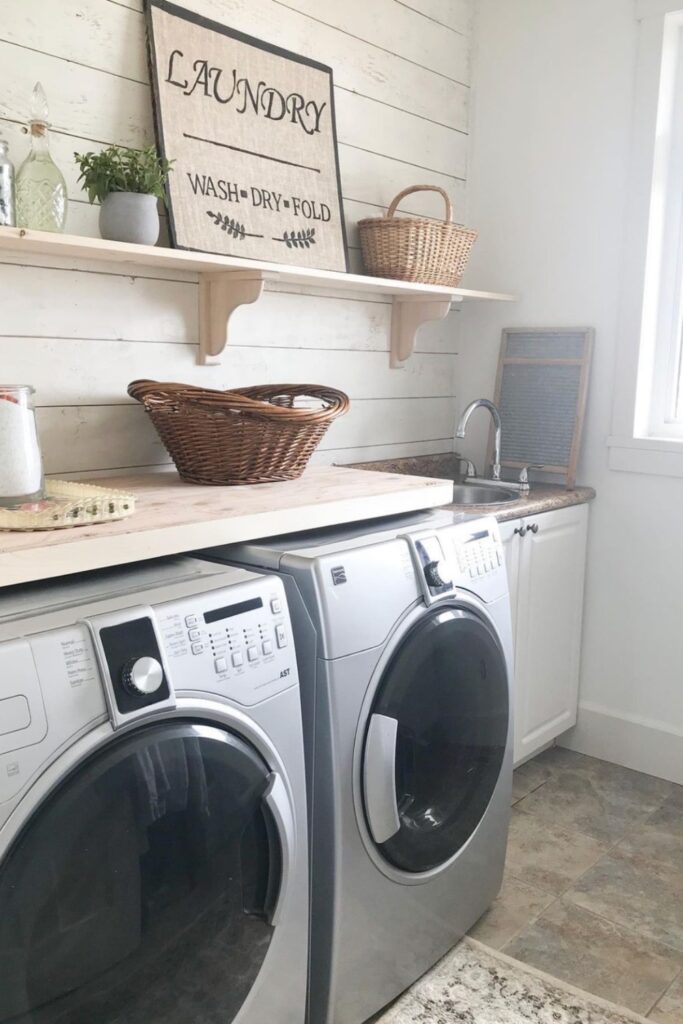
(128, 183)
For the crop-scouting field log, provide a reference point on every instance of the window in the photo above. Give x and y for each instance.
(659, 403)
(648, 397)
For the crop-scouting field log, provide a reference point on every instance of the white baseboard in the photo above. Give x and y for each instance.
(643, 744)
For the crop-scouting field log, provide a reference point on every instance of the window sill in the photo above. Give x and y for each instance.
(656, 456)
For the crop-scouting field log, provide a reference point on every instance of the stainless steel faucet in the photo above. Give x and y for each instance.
(522, 485)
(462, 427)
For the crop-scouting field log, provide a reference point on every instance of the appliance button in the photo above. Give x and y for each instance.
(194, 634)
(252, 653)
(190, 620)
(267, 646)
(238, 659)
(281, 636)
(197, 648)
(276, 606)
(220, 665)
(143, 676)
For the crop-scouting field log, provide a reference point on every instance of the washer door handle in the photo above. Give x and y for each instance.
(379, 778)
(277, 801)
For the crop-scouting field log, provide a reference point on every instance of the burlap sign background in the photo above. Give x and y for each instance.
(251, 130)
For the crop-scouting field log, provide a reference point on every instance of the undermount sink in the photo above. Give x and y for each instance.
(475, 494)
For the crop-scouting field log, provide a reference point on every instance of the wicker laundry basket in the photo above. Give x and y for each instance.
(416, 248)
(245, 436)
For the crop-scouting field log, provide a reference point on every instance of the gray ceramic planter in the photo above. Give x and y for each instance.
(130, 217)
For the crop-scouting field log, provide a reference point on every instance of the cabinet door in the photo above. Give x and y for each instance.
(552, 556)
(511, 542)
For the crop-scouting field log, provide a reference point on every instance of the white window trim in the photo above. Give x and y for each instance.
(637, 443)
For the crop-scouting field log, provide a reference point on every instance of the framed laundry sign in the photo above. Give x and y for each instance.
(251, 130)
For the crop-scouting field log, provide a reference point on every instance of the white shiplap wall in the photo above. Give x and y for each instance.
(80, 334)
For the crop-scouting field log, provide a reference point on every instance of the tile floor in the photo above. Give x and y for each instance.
(593, 892)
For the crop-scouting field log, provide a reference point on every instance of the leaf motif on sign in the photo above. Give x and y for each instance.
(298, 239)
(231, 226)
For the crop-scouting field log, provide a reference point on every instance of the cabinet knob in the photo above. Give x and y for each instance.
(534, 527)
(521, 530)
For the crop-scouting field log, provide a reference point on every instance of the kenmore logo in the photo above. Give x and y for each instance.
(338, 575)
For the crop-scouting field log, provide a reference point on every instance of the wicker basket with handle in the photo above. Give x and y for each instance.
(416, 248)
(245, 436)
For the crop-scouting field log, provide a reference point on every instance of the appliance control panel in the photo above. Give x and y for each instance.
(131, 657)
(233, 642)
(466, 555)
(236, 642)
(135, 665)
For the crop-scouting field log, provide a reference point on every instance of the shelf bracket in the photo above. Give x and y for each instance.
(407, 316)
(220, 294)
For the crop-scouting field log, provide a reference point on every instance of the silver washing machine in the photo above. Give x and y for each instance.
(153, 838)
(405, 655)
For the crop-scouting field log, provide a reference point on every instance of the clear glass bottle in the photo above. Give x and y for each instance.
(21, 464)
(41, 189)
(7, 207)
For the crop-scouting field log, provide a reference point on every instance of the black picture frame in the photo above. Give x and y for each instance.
(298, 245)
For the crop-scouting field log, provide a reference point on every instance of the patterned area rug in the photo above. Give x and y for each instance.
(475, 985)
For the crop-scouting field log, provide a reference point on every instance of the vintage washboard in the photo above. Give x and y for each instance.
(541, 391)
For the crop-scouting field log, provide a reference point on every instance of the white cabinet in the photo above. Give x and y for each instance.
(545, 557)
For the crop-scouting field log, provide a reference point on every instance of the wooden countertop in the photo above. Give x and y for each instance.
(173, 517)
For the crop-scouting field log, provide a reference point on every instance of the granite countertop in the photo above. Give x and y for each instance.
(542, 497)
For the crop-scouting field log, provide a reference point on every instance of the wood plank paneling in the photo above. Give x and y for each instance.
(369, 180)
(69, 304)
(371, 71)
(361, 121)
(391, 27)
(378, 178)
(84, 102)
(100, 371)
(324, 457)
(108, 36)
(364, 173)
(367, 124)
(357, 66)
(455, 14)
(80, 334)
(88, 438)
(370, 453)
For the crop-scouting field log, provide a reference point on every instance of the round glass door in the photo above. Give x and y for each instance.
(435, 739)
(142, 889)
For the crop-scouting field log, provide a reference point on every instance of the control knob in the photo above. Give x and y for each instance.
(438, 574)
(142, 676)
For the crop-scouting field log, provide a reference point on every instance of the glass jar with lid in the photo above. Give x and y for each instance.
(21, 464)
(41, 198)
(7, 204)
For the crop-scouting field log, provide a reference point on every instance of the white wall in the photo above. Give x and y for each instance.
(553, 100)
(401, 72)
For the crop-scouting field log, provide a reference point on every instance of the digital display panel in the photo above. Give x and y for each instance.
(230, 610)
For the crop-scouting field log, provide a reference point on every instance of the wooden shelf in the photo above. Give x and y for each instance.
(227, 282)
(173, 517)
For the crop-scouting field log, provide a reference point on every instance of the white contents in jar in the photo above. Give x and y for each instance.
(20, 464)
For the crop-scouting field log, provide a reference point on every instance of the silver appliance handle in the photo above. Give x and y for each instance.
(379, 778)
(277, 801)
